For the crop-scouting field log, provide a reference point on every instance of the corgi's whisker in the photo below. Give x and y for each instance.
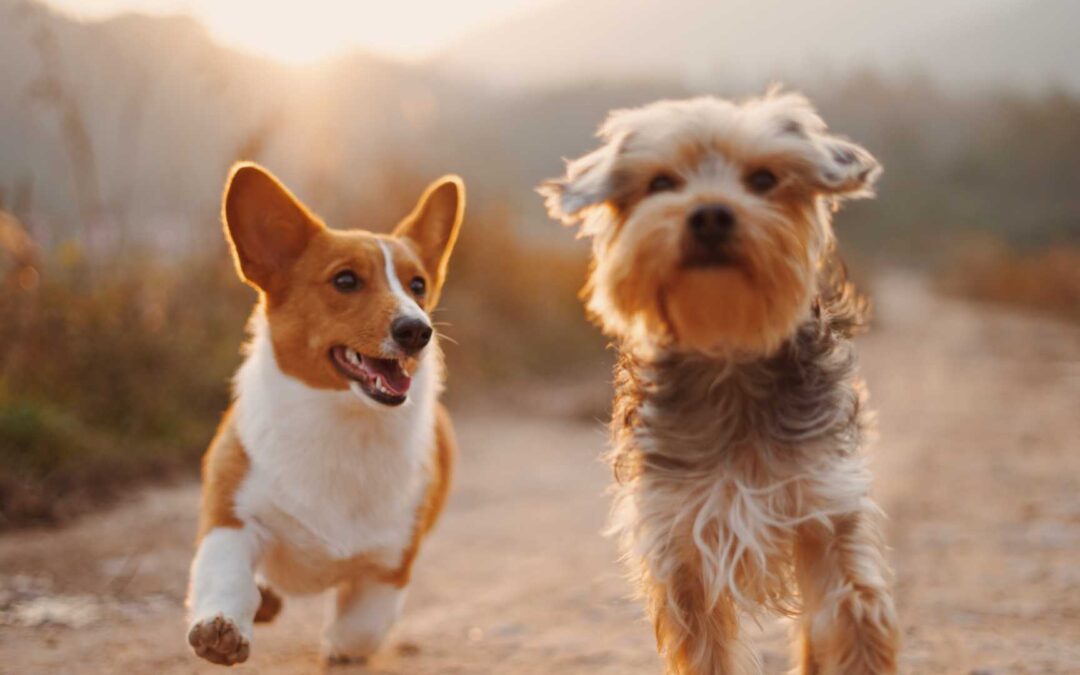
(444, 336)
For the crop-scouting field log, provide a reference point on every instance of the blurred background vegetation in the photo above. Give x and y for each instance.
(120, 312)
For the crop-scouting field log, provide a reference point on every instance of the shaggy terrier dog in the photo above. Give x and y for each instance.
(739, 413)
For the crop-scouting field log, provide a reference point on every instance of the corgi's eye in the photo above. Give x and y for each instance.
(346, 281)
(662, 183)
(761, 181)
(418, 286)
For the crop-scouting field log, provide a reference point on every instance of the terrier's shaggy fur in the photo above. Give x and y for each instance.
(739, 413)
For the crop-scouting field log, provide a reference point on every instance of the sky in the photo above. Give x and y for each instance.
(310, 30)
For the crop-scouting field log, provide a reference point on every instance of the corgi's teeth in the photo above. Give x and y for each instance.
(352, 357)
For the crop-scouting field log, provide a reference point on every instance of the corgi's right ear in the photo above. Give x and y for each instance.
(267, 227)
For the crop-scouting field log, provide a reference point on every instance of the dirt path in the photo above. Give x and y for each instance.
(978, 465)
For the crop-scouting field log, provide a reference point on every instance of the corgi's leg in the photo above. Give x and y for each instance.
(269, 601)
(849, 624)
(362, 613)
(223, 597)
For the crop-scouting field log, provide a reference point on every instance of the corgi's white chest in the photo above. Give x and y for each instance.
(330, 470)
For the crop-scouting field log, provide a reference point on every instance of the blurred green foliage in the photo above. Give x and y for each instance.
(117, 370)
(110, 370)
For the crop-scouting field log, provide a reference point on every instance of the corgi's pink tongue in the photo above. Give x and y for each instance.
(389, 371)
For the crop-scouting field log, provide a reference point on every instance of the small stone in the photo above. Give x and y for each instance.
(408, 649)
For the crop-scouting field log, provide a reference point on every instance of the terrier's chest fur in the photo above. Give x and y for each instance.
(687, 412)
(727, 458)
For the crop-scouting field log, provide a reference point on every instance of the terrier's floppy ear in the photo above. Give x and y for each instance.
(844, 169)
(588, 182)
(836, 166)
(433, 228)
(266, 225)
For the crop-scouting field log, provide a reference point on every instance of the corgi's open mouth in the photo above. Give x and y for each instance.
(384, 380)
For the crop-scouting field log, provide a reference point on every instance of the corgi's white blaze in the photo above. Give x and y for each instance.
(326, 470)
(407, 304)
(222, 581)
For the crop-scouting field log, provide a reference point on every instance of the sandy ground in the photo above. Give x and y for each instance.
(978, 466)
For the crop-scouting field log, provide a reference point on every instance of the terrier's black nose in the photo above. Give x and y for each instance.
(712, 224)
(411, 334)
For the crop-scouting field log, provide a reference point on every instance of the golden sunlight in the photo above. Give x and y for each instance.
(312, 30)
(293, 33)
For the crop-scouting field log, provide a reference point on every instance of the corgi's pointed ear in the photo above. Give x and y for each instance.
(267, 227)
(433, 228)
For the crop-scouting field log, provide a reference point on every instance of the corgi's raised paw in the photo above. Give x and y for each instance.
(218, 640)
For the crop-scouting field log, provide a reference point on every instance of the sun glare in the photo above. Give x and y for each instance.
(307, 31)
(294, 33)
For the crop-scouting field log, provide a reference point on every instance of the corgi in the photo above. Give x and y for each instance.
(334, 460)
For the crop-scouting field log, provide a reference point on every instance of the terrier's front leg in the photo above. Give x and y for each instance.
(363, 612)
(849, 624)
(694, 637)
(223, 597)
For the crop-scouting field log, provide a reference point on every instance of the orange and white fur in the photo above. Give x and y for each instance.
(739, 414)
(334, 460)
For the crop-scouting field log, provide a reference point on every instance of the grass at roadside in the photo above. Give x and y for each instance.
(116, 371)
(1045, 280)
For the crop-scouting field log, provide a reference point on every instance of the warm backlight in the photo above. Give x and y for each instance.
(306, 31)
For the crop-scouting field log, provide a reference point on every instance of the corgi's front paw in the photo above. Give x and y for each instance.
(218, 640)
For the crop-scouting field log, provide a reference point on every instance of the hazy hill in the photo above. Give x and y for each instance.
(1030, 46)
(122, 130)
(1015, 43)
(164, 109)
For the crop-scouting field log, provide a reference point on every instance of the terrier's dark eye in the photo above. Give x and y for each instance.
(662, 183)
(761, 181)
(418, 286)
(346, 281)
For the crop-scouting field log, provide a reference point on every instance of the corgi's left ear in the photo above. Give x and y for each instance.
(433, 228)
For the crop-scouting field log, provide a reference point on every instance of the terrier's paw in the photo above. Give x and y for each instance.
(218, 640)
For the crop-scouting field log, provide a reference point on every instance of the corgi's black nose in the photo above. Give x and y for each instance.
(712, 224)
(410, 334)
